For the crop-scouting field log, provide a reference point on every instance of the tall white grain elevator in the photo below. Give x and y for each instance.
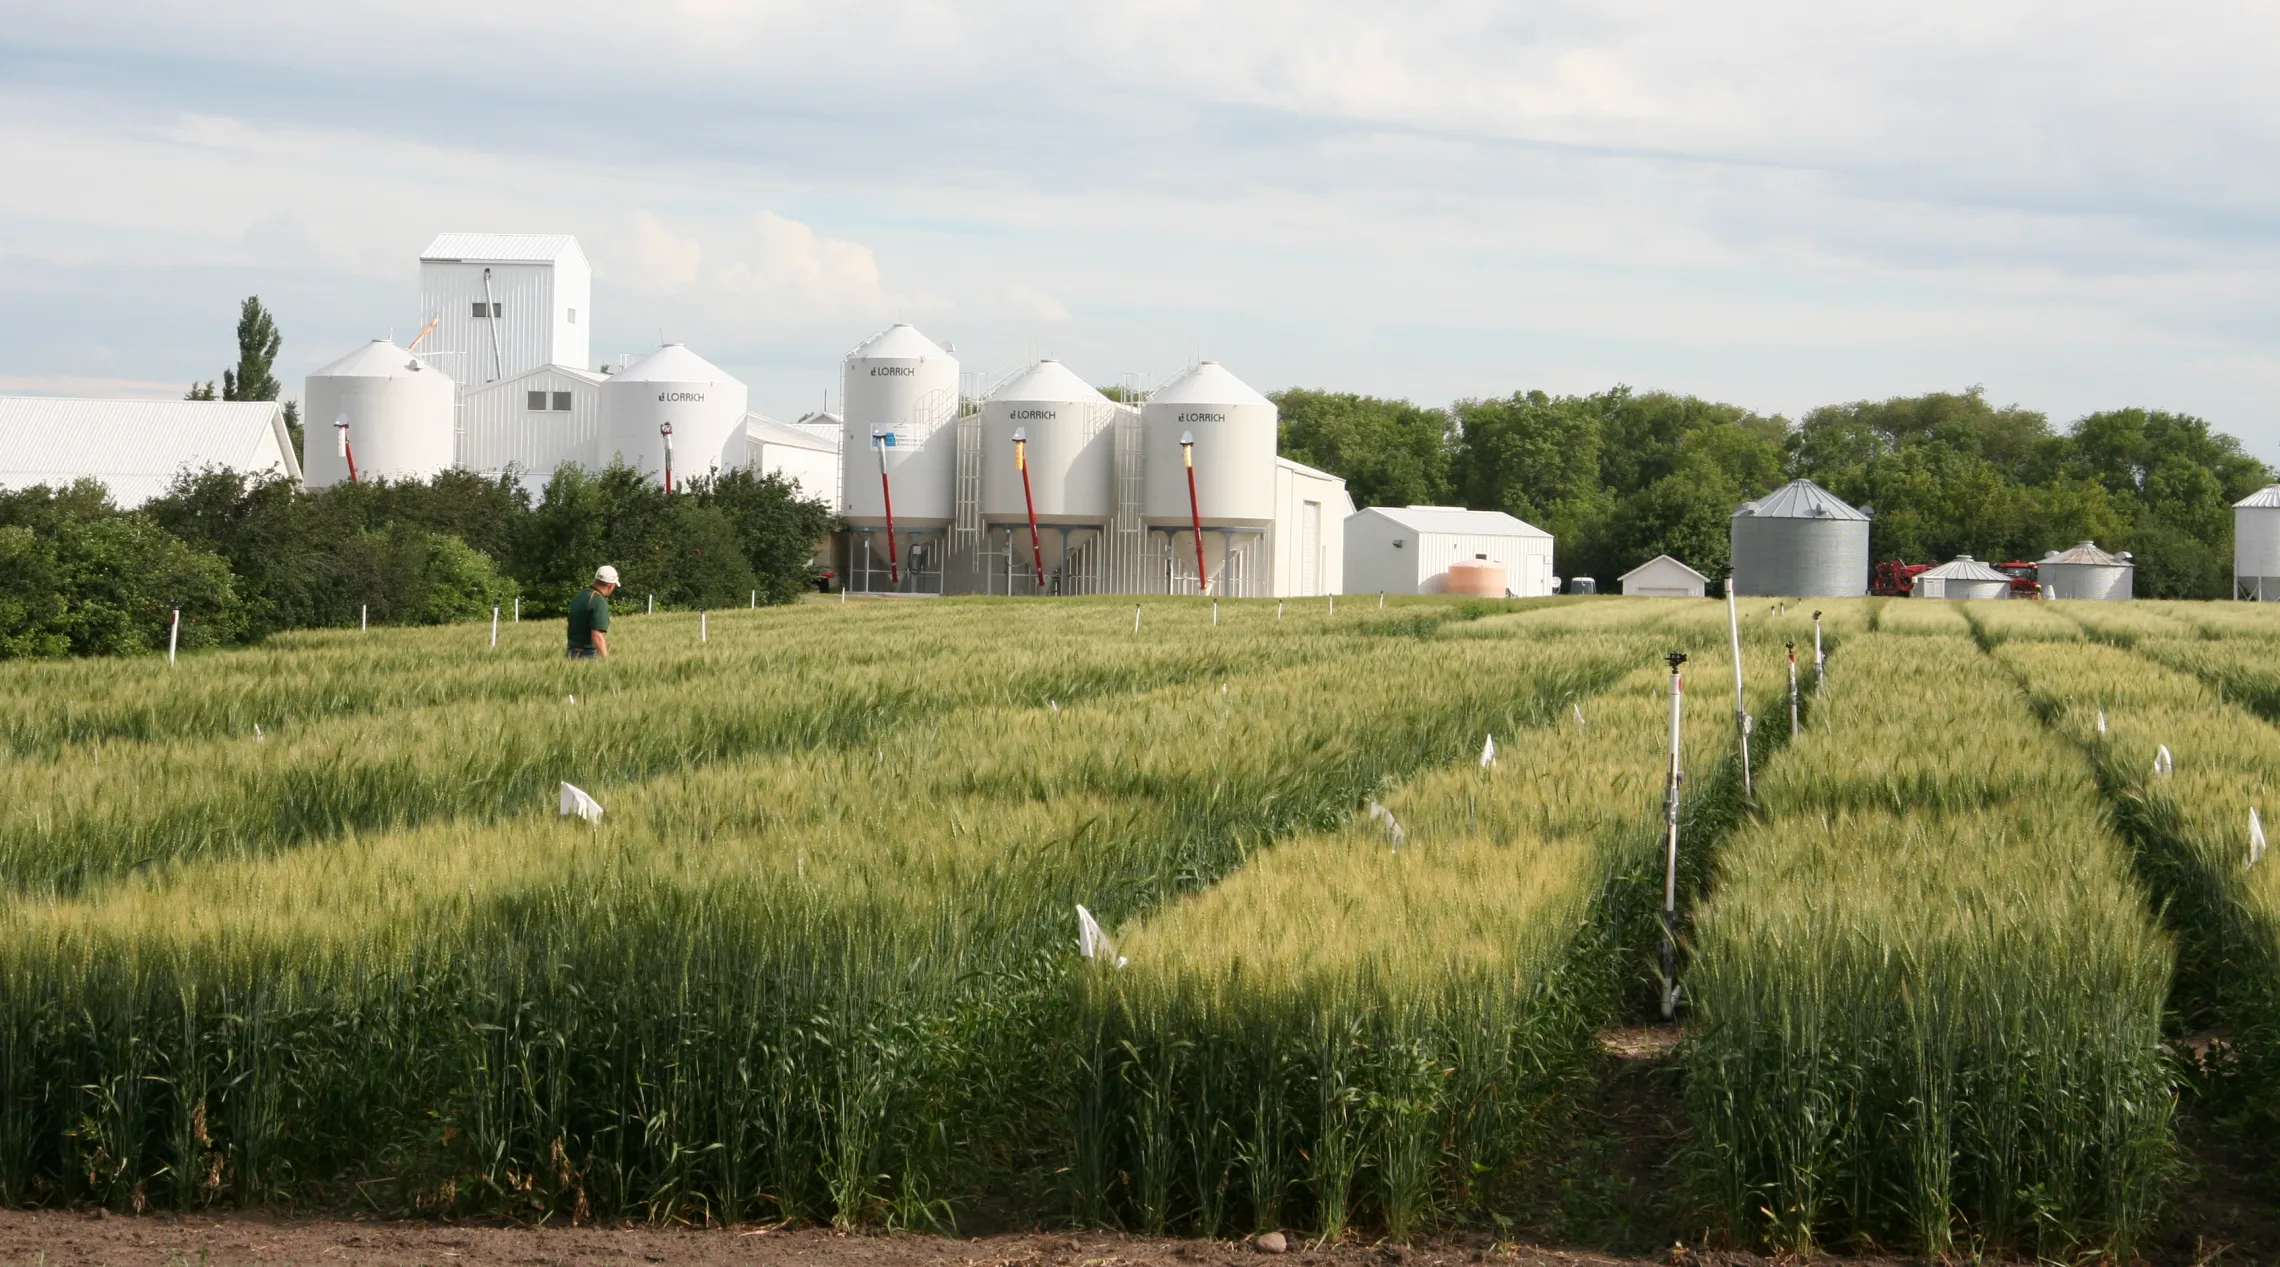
(504, 304)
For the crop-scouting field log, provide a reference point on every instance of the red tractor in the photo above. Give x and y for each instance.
(2024, 582)
(1894, 579)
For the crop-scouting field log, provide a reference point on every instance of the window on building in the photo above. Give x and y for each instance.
(573, 316)
(562, 402)
(537, 400)
(483, 309)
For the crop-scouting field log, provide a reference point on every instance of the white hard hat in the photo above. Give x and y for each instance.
(606, 574)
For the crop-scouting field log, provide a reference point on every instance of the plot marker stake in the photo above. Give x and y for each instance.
(1676, 777)
(1741, 712)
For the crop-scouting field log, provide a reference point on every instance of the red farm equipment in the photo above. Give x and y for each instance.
(1894, 579)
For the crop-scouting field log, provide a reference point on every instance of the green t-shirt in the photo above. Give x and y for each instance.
(589, 615)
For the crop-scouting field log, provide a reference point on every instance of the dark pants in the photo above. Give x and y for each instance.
(583, 653)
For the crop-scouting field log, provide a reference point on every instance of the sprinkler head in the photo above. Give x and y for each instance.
(1675, 658)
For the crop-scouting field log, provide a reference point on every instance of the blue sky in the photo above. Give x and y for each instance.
(1776, 204)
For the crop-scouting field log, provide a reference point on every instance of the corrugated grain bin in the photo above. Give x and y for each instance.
(1801, 541)
(2256, 545)
(2086, 572)
(1960, 577)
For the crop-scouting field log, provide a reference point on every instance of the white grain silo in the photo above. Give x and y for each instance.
(401, 414)
(2086, 572)
(1068, 431)
(1233, 430)
(504, 304)
(1960, 577)
(2256, 545)
(899, 392)
(673, 385)
(1800, 541)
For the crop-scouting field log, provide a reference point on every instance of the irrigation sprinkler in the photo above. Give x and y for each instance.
(347, 453)
(173, 634)
(1820, 662)
(1741, 712)
(494, 626)
(1195, 512)
(1792, 689)
(665, 429)
(1021, 464)
(881, 441)
(1671, 786)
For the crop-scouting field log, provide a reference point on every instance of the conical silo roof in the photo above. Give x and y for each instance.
(898, 342)
(2265, 498)
(1964, 568)
(672, 363)
(2088, 555)
(1799, 499)
(380, 358)
(1048, 380)
(1209, 383)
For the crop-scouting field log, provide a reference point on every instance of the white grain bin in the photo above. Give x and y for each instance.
(401, 413)
(1072, 453)
(2086, 572)
(1801, 541)
(2256, 545)
(1960, 577)
(674, 385)
(905, 385)
(1234, 430)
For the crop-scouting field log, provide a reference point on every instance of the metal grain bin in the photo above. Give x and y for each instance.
(1802, 541)
(2086, 572)
(1961, 577)
(2256, 545)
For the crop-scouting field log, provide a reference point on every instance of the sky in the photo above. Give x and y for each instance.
(1770, 202)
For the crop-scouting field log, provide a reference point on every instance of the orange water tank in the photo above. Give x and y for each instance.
(1477, 578)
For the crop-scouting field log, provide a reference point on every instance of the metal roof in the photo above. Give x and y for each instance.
(898, 342)
(380, 358)
(672, 363)
(1049, 380)
(1798, 499)
(2088, 555)
(1662, 558)
(501, 248)
(1207, 384)
(136, 447)
(2267, 497)
(1963, 568)
(1479, 523)
(765, 430)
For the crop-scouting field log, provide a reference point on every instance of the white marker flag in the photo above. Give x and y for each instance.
(1488, 753)
(1092, 943)
(577, 802)
(2101, 721)
(2255, 836)
(1580, 723)
(2163, 763)
(1393, 830)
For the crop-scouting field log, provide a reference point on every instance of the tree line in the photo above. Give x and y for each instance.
(243, 557)
(1621, 476)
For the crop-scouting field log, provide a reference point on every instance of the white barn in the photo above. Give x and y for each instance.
(1666, 577)
(504, 304)
(137, 447)
(532, 422)
(1408, 549)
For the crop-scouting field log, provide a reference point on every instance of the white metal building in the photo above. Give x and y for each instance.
(504, 304)
(396, 413)
(531, 423)
(2086, 572)
(2256, 545)
(1960, 577)
(796, 453)
(1408, 549)
(1665, 577)
(1308, 538)
(136, 447)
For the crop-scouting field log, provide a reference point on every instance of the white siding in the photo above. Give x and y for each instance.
(498, 429)
(1420, 563)
(535, 328)
(816, 471)
(1663, 577)
(136, 447)
(1295, 574)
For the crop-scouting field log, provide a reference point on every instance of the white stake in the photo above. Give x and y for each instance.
(1741, 711)
(1278, 610)
(1580, 724)
(258, 737)
(2255, 836)
(703, 629)
(1393, 832)
(1488, 752)
(1820, 664)
(518, 609)
(1793, 727)
(494, 626)
(756, 600)
(2164, 764)
(1671, 787)
(1136, 618)
(652, 604)
(1333, 604)
(364, 618)
(1215, 613)
(2101, 721)
(1381, 600)
(173, 634)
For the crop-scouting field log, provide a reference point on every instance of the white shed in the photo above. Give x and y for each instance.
(1666, 577)
(135, 448)
(798, 454)
(1960, 577)
(504, 304)
(1308, 537)
(532, 422)
(1408, 549)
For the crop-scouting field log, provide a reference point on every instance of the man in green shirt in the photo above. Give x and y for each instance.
(590, 616)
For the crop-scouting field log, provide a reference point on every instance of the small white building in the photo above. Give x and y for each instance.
(1960, 577)
(1408, 549)
(799, 454)
(504, 304)
(2086, 572)
(1666, 577)
(135, 448)
(1308, 539)
(531, 423)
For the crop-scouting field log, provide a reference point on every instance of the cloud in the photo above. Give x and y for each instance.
(787, 262)
(658, 259)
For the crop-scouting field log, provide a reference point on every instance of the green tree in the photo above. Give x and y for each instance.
(1389, 452)
(94, 580)
(200, 391)
(778, 530)
(1533, 457)
(258, 342)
